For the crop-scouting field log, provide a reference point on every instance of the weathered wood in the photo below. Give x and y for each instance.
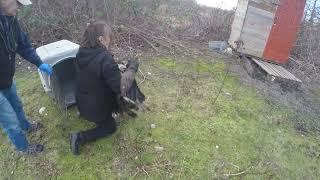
(266, 28)
(252, 25)
(256, 30)
(238, 22)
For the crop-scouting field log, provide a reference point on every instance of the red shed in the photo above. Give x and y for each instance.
(267, 29)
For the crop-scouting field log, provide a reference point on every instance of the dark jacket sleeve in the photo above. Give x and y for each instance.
(25, 49)
(111, 74)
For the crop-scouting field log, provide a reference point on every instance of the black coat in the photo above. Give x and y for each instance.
(98, 84)
(13, 40)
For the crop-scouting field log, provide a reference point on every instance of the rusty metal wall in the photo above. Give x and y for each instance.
(284, 31)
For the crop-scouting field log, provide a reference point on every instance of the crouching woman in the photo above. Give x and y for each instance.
(98, 84)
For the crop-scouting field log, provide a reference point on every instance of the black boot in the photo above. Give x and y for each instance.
(75, 143)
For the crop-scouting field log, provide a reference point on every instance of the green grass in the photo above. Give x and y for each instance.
(202, 138)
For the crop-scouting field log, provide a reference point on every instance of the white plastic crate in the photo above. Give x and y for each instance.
(60, 56)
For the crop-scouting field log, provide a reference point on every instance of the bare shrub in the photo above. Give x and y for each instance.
(307, 49)
(173, 25)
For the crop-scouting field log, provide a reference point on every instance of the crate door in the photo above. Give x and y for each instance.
(257, 26)
(284, 31)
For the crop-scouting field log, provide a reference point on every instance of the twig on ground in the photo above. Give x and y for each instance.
(145, 171)
(235, 166)
(136, 173)
(144, 77)
(237, 174)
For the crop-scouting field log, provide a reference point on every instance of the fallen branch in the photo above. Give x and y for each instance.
(145, 171)
(144, 77)
(237, 174)
(235, 166)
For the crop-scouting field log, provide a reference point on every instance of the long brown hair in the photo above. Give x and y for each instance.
(94, 30)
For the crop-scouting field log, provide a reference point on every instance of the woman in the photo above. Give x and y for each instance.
(98, 84)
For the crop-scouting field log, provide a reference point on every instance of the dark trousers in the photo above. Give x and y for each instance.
(102, 129)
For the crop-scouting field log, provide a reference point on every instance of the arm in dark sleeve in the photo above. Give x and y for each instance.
(111, 74)
(25, 49)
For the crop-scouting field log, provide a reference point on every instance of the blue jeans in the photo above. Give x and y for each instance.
(12, 118)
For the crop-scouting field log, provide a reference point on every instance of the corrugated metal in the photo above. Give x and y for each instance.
(276, 70)
(284, 31)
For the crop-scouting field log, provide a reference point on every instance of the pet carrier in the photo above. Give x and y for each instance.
(61, 84)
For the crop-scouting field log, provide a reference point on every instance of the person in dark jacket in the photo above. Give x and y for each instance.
(14, 40)
(98, 84)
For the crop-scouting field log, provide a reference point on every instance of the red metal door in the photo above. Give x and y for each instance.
(284, 31)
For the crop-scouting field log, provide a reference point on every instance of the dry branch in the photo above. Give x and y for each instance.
(237, 174)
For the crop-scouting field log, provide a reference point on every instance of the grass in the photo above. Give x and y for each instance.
(239, 135)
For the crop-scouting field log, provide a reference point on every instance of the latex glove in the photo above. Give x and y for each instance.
(46, 68)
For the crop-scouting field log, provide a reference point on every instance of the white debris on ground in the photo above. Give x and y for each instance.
(228, 51)
(159, 148)
(41, 110)
(228, 94)
(152, 126)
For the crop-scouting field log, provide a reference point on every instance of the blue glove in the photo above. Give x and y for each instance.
(46, 68)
